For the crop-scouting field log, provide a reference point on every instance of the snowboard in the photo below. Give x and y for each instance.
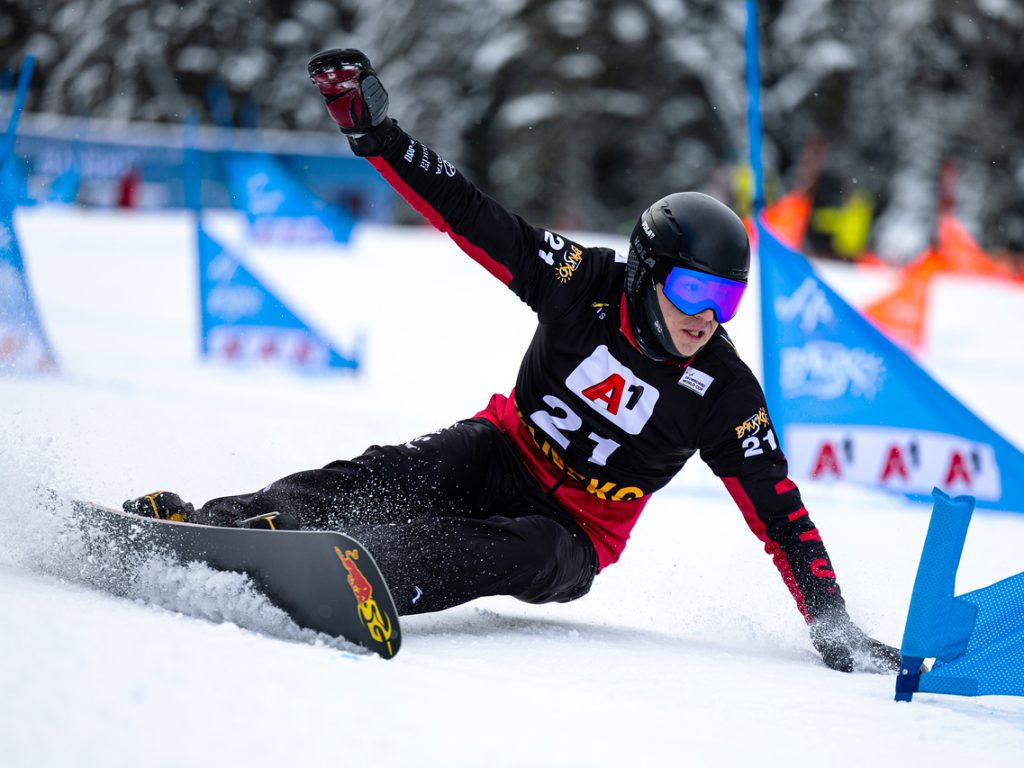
(324, 580)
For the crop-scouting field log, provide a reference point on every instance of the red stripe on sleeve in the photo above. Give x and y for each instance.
(822, 569)
(431, 214)
(785, 486)
(732, 484)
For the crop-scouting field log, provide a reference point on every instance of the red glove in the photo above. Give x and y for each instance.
(355, 98)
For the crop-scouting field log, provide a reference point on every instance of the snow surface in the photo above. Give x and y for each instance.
(688, 651)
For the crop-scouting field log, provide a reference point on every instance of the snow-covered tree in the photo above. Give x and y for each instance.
(581, 112)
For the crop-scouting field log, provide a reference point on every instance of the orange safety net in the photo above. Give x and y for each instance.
(789, 216)
(902, 313)
(961, 254)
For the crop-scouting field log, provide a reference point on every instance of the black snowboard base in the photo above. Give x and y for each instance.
(324, 580)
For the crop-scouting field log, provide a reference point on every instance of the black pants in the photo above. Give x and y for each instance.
(450, 516)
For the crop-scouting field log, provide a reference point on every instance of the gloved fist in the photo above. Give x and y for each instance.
(355, 98)
(844, 646)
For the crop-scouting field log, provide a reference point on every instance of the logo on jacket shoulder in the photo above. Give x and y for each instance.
(570, 262)
(753, 425)
(754, 432)
(696, 380)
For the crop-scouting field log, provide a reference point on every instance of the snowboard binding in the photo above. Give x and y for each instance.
(160, 505)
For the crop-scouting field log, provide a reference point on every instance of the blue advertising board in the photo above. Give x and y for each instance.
(853, 406)
(243, 322)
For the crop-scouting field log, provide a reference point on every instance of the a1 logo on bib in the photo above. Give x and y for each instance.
(614, 391)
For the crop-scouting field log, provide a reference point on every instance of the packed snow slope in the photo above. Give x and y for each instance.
(689, 651)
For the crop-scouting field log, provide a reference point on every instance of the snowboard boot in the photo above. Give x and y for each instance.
(162, 505)
(270, 521)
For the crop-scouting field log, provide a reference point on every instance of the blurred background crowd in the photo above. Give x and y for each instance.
(579, 113)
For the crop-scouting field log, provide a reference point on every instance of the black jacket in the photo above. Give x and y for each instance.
(595, 418)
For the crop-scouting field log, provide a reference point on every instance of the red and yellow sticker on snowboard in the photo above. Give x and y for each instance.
(377, 623)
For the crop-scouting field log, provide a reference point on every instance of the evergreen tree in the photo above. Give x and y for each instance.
(581, 112)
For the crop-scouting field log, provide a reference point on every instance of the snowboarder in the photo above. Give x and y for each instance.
(629, 374)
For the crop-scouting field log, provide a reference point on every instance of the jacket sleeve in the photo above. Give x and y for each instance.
(546, 270)
(742, 449)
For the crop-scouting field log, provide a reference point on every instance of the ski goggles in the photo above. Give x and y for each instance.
(691, 292)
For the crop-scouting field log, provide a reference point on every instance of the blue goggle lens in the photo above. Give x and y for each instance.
(691, 292)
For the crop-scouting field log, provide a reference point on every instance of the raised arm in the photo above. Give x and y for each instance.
(523, 257)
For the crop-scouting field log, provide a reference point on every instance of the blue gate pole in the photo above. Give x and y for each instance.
(754, 104)
(19, 103)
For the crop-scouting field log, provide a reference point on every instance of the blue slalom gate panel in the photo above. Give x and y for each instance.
(243, 322)
(852, 406)
(976, 639)
(23, 344)
(279, 208)
(24, 348)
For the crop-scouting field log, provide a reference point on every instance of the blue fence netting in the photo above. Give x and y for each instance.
(977, 638)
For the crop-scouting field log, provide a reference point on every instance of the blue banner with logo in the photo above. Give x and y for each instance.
(280, 209)
(23, 344)
(243, 322)
(852, 406)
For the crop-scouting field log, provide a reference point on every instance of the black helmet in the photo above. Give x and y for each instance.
(685, 229)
